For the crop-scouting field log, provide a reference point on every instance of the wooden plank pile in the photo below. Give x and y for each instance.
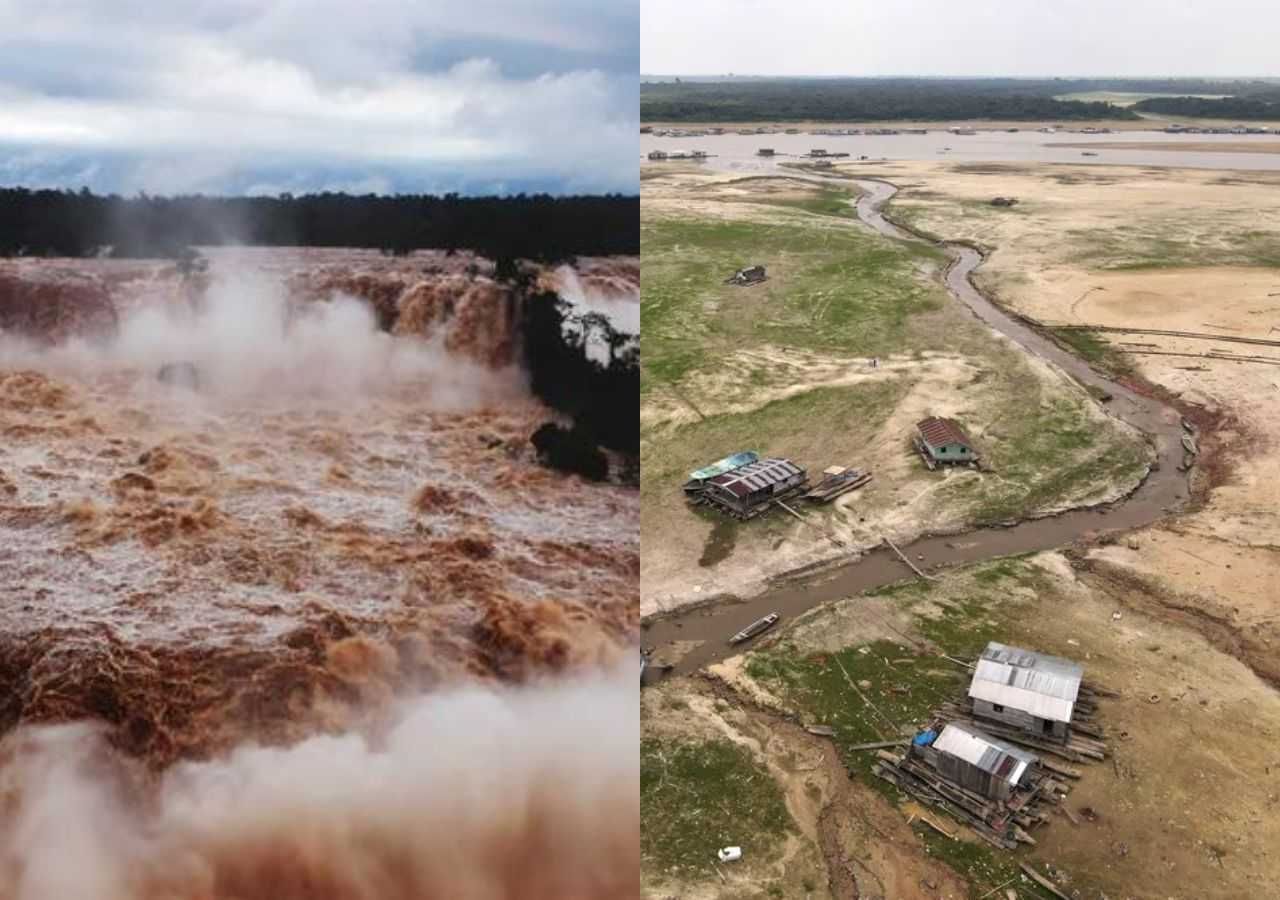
(1045, 785)
(834, 485)
(1001, 824)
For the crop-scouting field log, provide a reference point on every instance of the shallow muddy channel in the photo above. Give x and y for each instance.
(707, 627)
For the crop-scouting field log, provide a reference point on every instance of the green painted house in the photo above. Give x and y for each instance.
(943, 441)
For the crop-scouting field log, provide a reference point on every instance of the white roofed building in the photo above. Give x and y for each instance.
(978, 762)
(1033, 692)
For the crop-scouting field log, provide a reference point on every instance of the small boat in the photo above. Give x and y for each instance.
(759, 626)
(1088, 153)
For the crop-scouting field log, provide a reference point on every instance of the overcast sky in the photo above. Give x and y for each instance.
(263, 97)
(947, 37)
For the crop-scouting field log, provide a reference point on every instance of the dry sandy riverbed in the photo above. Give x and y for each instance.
(1055, 260)
(1187, 808)
(745, 388)
(1153, 823)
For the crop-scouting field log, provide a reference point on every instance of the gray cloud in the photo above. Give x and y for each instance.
(232, 95)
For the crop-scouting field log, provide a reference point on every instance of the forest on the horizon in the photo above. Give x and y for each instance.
(751, 99)
(1258, 107)
(536, 227)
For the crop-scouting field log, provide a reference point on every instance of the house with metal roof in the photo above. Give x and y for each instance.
(748, 490)
(943, 441)
(1032, 692)
(698, 480)
(977, 762)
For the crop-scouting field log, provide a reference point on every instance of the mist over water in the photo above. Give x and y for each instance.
(254, 572)
(614, 294)
(471, 794)
(248, 338)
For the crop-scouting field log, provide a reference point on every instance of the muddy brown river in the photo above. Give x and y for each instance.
(1164, 489)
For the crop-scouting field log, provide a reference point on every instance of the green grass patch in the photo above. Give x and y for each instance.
(696, 797)
(830, 288)
(982, 865)
(1046, 456)
(823, 202)
(846, 294)
(904, 688)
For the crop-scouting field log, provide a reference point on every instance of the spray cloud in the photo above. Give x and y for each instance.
(470, 794)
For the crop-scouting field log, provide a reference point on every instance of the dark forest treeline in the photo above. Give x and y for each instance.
(538, 227)
(601, 397)
(1259, 106)
(863, 99)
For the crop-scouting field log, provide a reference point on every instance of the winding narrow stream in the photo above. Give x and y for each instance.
(1164, 489)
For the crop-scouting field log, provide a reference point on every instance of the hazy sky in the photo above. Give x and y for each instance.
(947, 37)
(379, 95)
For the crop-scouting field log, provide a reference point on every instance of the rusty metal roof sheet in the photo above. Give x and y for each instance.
(938, 431)
(757, 476)
(1044, 686)
(985, 752)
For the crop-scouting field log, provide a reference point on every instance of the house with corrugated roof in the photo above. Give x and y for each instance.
(697, 482)
(748, 490)
(943, 441)
(976, 761)
(1032, 692)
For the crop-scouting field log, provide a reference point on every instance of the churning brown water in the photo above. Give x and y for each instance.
(264, 626)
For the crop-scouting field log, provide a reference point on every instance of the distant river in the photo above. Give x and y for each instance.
(737, 152)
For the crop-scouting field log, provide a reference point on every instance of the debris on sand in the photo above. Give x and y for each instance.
(749, 275)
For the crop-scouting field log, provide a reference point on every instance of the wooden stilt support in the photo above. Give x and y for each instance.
(902, 556)
(790, 510)
(1043, 882)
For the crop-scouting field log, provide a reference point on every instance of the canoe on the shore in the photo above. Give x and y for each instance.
(759, 626)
